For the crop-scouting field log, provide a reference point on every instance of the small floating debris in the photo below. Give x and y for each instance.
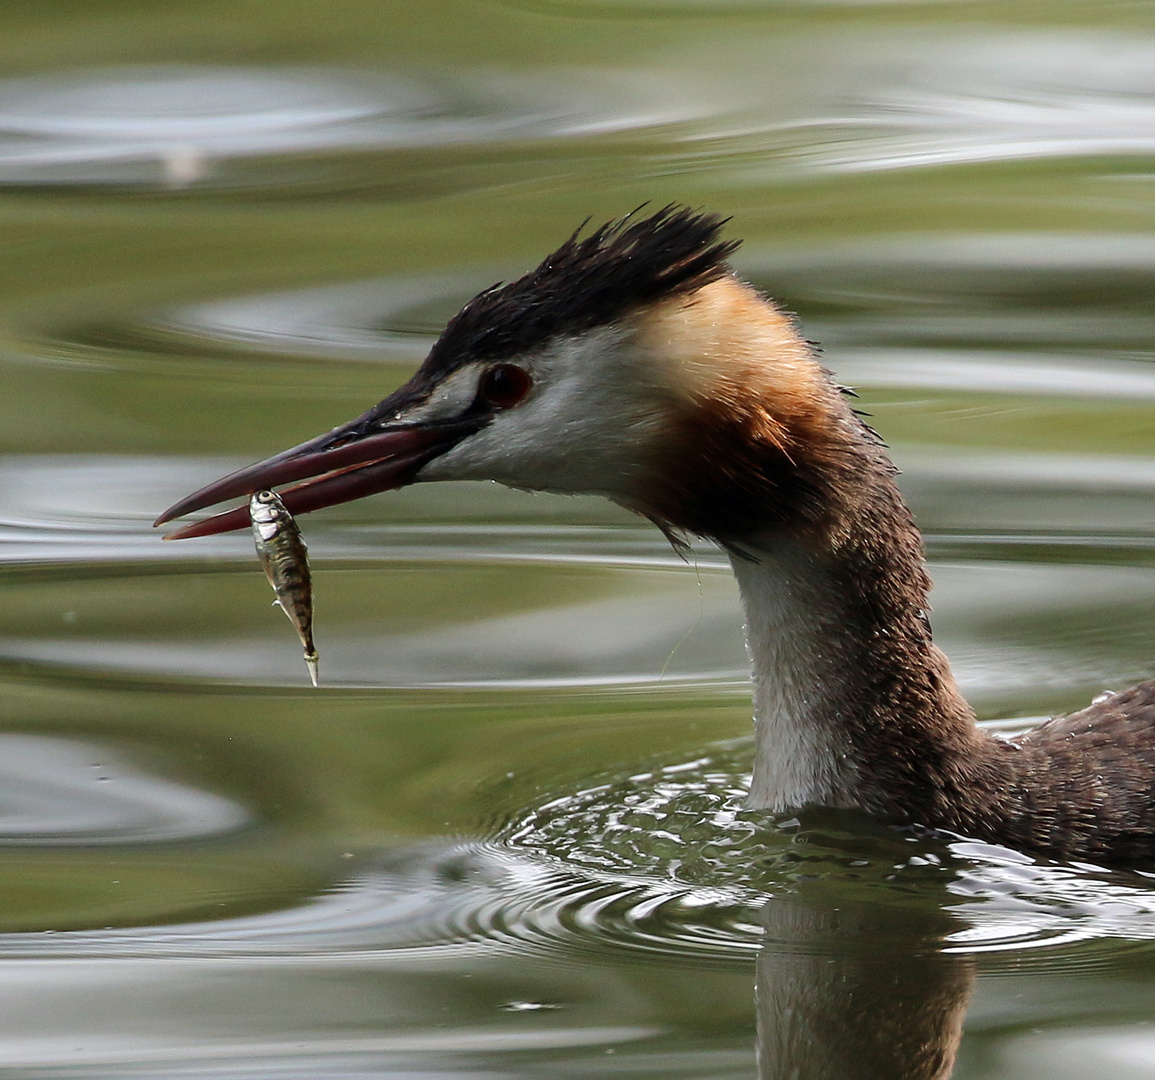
(285, 560)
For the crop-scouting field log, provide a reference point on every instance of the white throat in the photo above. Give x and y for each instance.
(795, 633)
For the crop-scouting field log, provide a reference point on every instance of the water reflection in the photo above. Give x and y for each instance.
(68, 792)
(385, 319)
(1030, 308)
(611, 618)
(853, 987)
(667, 865)
(863, 944)
(591, 903)
(1015, 98)
(178, 127)
(901, 102)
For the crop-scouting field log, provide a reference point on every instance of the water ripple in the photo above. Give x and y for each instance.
(551, 604)
(177, 127)
(856, 105)
(664, 863)
(901, 99)
(1042, 96)
(67, 792)
(391, 318)
(991, 302)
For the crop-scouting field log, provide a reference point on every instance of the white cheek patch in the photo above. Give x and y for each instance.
(582, 429)
(450, 398)
(267, 529)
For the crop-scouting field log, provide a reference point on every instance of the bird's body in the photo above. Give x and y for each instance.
(633, 364)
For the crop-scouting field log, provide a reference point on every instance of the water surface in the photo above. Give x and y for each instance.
(506, 837)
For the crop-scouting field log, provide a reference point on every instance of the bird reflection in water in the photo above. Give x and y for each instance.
(858, 987)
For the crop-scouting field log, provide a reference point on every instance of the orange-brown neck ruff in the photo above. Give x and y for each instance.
(757, 434)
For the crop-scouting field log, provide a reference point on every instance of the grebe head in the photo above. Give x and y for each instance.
(630, 363)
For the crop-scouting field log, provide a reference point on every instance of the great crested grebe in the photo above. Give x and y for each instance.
(633, 364)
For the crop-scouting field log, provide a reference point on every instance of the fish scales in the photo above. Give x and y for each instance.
(285, 560)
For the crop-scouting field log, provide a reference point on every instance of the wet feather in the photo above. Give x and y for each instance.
(285, 561)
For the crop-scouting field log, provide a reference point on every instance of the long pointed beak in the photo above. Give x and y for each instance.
(347, 465)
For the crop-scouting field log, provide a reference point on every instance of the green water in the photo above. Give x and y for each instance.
(505, 839)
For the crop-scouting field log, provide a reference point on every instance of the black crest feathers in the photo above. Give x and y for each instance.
(588, 282)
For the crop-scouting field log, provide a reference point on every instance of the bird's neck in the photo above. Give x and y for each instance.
(854, 705)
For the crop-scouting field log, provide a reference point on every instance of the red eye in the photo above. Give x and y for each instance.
(504, 385)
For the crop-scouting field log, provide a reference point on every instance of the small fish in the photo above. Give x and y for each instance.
(285, 561)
